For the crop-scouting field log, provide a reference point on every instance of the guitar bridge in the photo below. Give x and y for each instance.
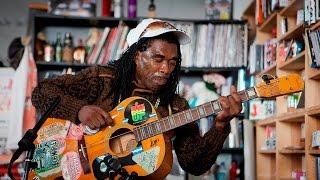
(84, 156)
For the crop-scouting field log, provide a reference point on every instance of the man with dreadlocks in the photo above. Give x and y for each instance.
(148, 68)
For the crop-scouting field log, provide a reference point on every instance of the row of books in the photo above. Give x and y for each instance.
(264, 8)
(312, 39)
(262, 56)
(311, 11)
(213, 45)
(110, 45)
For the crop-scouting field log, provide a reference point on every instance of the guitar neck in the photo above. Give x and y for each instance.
(148, 130)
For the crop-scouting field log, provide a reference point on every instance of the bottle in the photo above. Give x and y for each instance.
(79, 54)
(40, 44)
(67, 54)
(117, 8)
(48, 52)
(151, 10)
(222, 172)
(58, 48)
(132, 8)
(233, 171)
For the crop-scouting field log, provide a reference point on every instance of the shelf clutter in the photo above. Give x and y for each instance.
(287, 128)
(215, 43)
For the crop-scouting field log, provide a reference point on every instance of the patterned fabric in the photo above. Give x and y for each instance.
(91, 86)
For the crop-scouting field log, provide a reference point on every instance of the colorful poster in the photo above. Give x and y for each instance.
(6, 91)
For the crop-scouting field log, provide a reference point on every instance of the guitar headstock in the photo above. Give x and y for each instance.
(280, 86)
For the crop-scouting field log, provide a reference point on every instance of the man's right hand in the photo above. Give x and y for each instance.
(94, 117)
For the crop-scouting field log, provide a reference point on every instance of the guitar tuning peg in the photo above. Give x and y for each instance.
(267, 77)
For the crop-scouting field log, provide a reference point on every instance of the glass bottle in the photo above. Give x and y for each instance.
(79, 54)
(58, 48)
(151, 10)
(48, 52)
(132, 8)
(67, 55)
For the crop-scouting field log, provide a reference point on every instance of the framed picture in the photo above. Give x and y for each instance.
(219, 9)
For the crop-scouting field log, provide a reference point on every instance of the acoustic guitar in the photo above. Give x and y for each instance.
(134, 145)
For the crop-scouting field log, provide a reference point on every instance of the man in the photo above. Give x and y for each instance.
(150, 69)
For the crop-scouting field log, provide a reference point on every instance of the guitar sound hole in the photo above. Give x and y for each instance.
(122, 141)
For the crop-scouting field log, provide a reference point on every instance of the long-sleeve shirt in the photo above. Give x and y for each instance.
(195, 153)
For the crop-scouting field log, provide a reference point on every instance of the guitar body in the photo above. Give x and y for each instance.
(63, 149)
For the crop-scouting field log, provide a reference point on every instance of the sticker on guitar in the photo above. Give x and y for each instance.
(138, 111)
(53, 131)
(71, 165)
(148, 159)
(48, 155)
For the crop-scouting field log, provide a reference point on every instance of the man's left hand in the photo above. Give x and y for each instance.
(231, 107)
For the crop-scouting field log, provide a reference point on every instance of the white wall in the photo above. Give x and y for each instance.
(14, 15)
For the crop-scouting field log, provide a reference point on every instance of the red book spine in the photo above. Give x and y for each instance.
(106, 8)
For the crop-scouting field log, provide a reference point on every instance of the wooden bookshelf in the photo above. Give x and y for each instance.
(293, 127)
(286, 151)
(313, 73)
(315, 26)
(249, 16)
(271, 121)
(267, 152)
(271, 70)
(250, 10)
(314, 152)
(293, 33)
(314, 111)
(294, 116)
(292, 9)
(269, 23)
(296, 63)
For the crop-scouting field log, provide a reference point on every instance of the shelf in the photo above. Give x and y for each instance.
(287, 151)
(232, 150)
(292, 8)
(294, 33)
(314, 73)
(270, 23)
(44, 66)
(314, 152)
(295, 63)
(76, 21)
(271, 121)
(250, 10)
(315, 26)
(271, 70)
(209, 69)
(294, 117)
(314, 111)
(267, 151)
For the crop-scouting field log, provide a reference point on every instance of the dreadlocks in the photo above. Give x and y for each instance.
(125, 70)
